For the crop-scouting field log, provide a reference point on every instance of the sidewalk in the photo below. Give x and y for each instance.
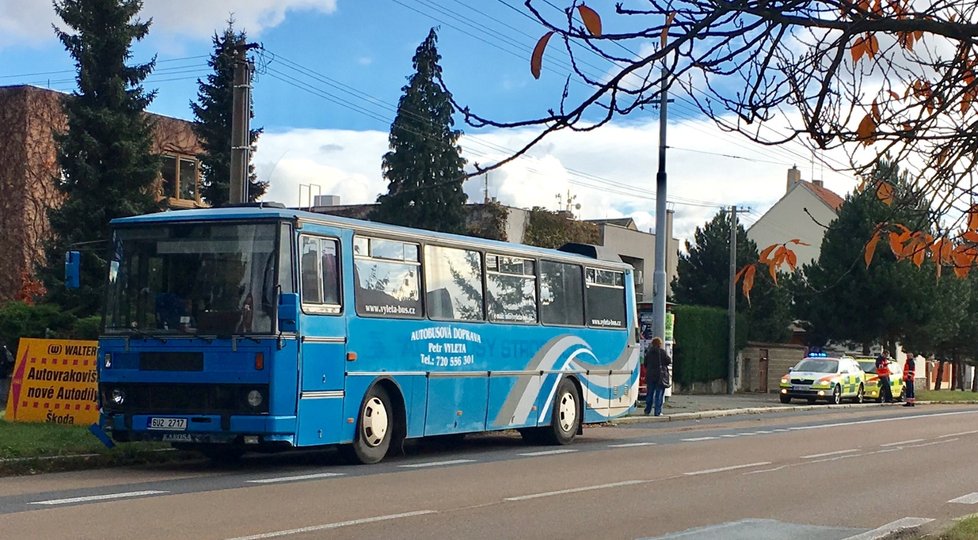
(692, 406)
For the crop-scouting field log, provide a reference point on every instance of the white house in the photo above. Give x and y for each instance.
(804, 212)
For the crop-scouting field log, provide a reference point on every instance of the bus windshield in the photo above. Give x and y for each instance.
(193, 278)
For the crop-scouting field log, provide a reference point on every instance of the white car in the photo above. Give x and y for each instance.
(824, 378)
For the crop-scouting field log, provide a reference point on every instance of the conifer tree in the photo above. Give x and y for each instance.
(212, 122)
(424, 168)
(702, 279)
(108, 169)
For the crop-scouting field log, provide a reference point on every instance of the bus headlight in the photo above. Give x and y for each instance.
(118, 396)
(255, 399)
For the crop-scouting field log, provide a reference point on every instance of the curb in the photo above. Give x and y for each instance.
(718, 413)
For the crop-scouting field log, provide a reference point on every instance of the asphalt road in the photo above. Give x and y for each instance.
(822, 474)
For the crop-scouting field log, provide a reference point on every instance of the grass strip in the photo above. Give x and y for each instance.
(946, 395)
(31, 448)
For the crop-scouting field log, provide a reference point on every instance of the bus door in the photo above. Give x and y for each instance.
(322, 342)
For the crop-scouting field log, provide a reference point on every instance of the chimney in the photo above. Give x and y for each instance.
(818, 183)
(794, 177)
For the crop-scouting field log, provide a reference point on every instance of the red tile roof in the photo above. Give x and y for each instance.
(829, 197)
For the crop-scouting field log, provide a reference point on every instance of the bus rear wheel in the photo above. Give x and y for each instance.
(374, 428)
(565, 419)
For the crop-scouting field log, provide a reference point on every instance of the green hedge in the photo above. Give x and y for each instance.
(700, 351)
(18, 320)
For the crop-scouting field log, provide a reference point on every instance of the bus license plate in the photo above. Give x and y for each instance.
(170, 424)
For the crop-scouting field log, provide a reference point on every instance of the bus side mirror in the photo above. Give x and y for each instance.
(288, 312)
(72, 269)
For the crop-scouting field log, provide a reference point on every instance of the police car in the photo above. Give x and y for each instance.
(873, 390)
(823, 377)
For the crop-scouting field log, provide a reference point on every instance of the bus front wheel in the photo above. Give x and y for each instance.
(374, 428)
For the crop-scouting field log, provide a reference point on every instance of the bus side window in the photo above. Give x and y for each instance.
(331, 274)
(311, 292)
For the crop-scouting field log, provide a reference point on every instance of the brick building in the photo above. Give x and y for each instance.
(29, 118)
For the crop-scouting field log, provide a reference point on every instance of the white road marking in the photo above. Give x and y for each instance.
(436, 463)
(879, 420)
(959, 434)
(778, 468)
(731, 468)
(762, 432)
(575, 490)
(970, 498)
(631, 444)
(932, 443)
(730, 436)
(901, 443)
(336, 525)
(294, 478)
(898, 525)
(91, 498)
(695, 439)
(812, 456)
(549, 452)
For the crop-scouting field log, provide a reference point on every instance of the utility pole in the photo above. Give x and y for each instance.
(240, 124)
(732, 302)
(659, 275)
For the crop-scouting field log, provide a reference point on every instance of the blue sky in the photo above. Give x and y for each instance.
(331, 74)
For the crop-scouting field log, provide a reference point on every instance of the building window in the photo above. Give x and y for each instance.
(180, 177)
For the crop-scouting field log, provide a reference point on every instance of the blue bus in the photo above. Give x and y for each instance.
(262, 328)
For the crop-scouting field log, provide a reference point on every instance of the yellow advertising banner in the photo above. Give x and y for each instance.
(55, 381)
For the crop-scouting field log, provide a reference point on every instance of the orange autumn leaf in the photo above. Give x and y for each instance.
(797, 241)
(592, 21)
(896, 245)
(866, 132)
(884, 192)
(665, 28)
(941, 249)
(858, 49)
(792, 260)
(871, 248)
(536, 59)
(767, 251)
(872, 46)
(773, 270)
(970, 236)
(748, 281)
(740, 272)
(973, 217)
(875, 110)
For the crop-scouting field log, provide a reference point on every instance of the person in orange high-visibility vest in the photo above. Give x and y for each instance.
(883, 372)
(908, 375)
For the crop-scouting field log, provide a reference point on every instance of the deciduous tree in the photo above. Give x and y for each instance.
(869, 77)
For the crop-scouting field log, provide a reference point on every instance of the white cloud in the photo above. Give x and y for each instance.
(610, 172)
(29, 21)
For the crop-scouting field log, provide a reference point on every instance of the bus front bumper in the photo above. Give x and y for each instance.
(199, 428)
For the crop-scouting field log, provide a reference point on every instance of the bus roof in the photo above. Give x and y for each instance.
(275, 211)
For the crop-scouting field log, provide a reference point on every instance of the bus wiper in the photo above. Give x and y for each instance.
(146, 335)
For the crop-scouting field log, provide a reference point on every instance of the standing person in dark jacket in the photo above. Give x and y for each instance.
(883, 372)
(657, 377)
